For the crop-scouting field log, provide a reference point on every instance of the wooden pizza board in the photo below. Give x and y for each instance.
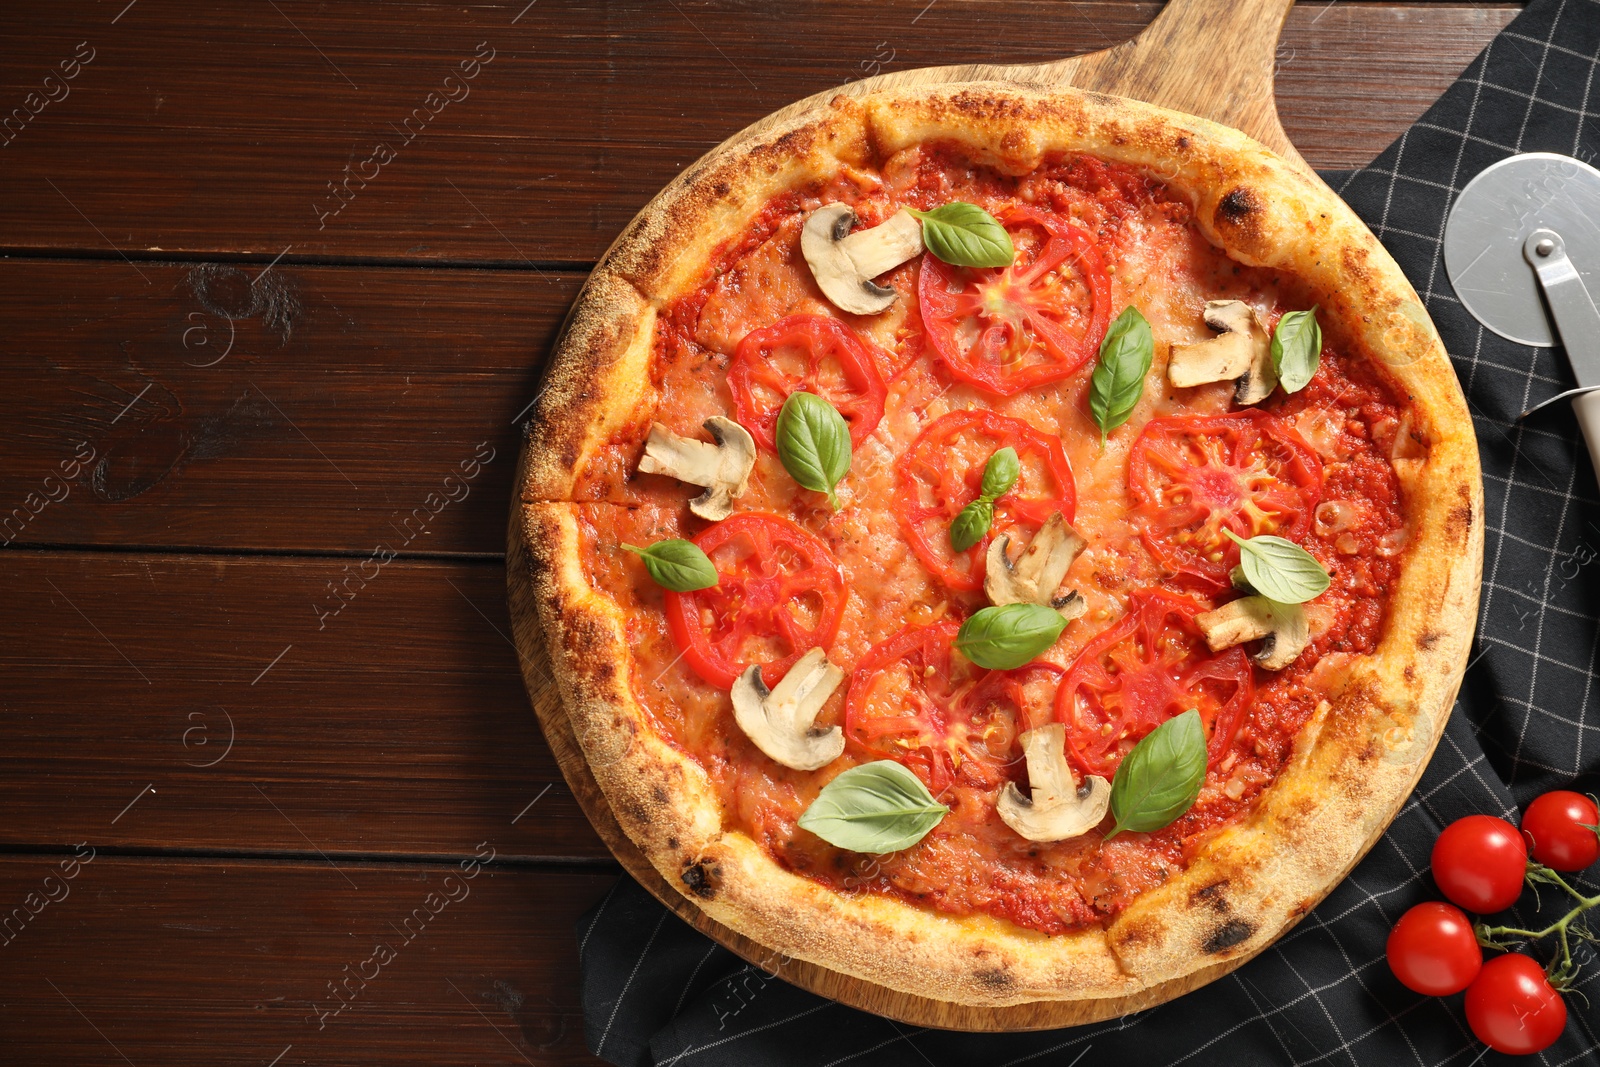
(1212, 58)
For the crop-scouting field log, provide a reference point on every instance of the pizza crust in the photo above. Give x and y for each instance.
(1356, 760)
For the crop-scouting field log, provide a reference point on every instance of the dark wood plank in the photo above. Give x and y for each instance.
(206, 963)
(397, 725)
(355, 407)
(582, 113)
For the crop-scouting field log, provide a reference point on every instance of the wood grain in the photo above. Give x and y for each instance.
(226, 125)
(209, 963)
(399, 727)
(296, 408)
(207, 131)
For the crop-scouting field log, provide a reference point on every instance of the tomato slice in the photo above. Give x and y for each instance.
(779, 593)
(1194, 476)
(945, 719)
(1153, 664)
(901, 695)
(993, 714)
(942, 472)
(1010, 328)
(811, 353)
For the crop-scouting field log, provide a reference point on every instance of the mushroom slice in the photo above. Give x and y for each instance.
(1037, 573)
(1282, 629)
(782, 721)
(1059, 808)
(1241, 352)
(722, 468)
(845, 263)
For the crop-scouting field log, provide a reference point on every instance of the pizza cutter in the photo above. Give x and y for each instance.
(1522, 249)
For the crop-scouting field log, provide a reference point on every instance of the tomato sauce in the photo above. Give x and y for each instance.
(1346, 426)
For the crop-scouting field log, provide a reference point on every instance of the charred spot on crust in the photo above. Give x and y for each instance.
(632, 811)
(997, 979)
(1182, 142)
(1141, 931)
(1458, 523)
(1211, 895)
(1229, 934)
(1237, 206)
(1427, 639)
(702, 879)
(660, 795)
(672, 843)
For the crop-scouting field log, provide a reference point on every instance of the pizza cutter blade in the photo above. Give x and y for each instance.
(1522, 249)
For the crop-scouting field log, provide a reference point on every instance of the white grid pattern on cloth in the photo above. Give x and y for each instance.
(1538, 492)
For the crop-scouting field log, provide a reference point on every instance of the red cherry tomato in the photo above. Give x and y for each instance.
(779, 593)
(1153, 664)
(1559, 827)
(1511, 1007)
(1479, 862)
(1194, 476)
(942, 472)
(811, 353)
(1010, 328)
(1432, 950)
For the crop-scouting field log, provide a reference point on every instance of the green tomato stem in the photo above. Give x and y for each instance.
(1561, 970)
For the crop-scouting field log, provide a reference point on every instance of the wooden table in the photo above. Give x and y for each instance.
(277, 281)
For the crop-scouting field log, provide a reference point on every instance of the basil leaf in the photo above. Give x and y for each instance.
(1118, 380)
(1006, 637)
(1001, 473)
(814, 443)
(966, 235)
(1160, 779)
(677, 565)
(1280, 570)
(968, 528)
(876, 807)
(1297, 349)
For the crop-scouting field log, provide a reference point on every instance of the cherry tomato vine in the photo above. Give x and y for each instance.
(1481, 863)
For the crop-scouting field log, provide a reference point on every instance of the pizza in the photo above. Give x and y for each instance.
(1004, 546)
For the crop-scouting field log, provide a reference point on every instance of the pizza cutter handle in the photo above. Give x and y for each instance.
(1578, 324)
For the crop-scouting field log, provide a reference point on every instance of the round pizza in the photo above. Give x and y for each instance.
(1004, 546)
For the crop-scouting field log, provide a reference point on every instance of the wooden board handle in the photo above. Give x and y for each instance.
(1213, 58)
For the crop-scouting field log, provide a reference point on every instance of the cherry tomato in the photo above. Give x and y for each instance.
(1011, 328)
(779, 593)
(1153, 664)
(1432, 950)
(1511, 1007)
(810, 353)
(942, 472)
(1559, 828)
(1479, 862)
(1194, 476)
(947, 720)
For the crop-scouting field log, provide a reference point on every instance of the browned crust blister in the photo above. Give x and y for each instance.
(1354, 763)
